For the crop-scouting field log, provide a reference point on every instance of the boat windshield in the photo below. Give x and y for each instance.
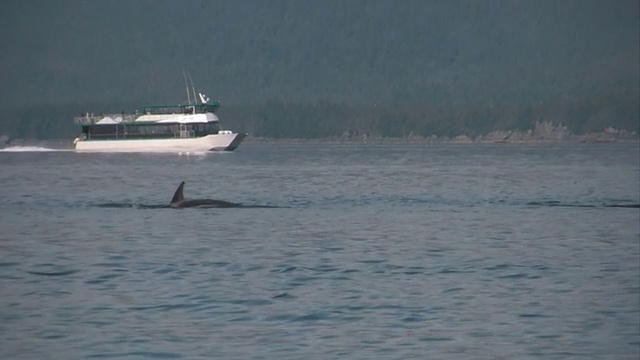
(182, 109)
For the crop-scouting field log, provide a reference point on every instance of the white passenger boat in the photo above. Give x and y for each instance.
(165, 128)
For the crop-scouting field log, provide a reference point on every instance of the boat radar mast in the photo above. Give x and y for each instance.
(193, 89)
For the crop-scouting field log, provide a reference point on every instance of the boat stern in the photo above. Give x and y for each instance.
(225, 140)
(236, 141)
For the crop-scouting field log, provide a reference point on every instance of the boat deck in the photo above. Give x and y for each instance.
(89, 119)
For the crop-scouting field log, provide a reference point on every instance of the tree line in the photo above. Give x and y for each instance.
(320, 120)
(357, 52)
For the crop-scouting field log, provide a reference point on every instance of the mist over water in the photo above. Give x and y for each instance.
(370, 251)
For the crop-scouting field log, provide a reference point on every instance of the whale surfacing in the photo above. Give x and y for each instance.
(178, 201)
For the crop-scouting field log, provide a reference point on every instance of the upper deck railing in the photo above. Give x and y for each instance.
(182, 109)
(90, 118)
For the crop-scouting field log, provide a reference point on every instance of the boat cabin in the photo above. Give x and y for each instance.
(152, 122)
(143, 130)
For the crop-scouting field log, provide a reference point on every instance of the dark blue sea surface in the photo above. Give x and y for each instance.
(364, 252)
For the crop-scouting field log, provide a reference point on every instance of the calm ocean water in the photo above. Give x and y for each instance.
(370, 252)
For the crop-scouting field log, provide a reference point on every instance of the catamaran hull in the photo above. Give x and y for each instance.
(216, 142)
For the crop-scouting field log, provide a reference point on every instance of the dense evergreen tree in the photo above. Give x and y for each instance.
(306, 69)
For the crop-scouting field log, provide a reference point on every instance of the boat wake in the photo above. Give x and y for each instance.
(29, 149)
(132, 206)
(584, 205)
(405, 202)
(550, 203)
(167, 206)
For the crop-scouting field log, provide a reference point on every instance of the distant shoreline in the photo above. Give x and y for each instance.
(544, 132)
(432, 141)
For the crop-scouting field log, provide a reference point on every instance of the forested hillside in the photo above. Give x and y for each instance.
(325, 68)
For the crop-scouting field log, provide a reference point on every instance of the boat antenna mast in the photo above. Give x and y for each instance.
(192, 87)
(186, 85)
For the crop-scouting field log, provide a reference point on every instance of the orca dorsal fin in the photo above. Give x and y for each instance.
(178, 197)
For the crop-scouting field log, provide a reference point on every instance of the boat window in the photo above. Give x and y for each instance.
(138, 131)
(203, 129)
(122, 131)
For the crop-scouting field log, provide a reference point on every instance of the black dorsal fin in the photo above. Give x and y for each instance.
(178, 196)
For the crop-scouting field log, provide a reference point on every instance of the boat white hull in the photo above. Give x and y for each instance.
(216, 142)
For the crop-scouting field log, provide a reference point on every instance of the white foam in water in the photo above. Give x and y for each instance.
(27, 149)
(193, 153)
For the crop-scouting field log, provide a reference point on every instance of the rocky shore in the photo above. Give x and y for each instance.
(542, 133)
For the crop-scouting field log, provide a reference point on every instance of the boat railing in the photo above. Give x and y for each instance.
(88, 119)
